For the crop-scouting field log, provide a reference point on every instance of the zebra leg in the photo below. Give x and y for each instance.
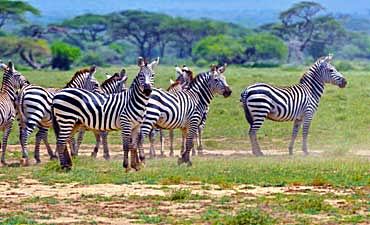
(24, 133)
(152, 135)
(200, 144)
(183, 140)
(44, 134)
(296, 126)
(39, 137)
(94, 153)
(185, 156)
(8, 128)
(139, 142)
(256, 150)
(126, 140)
(193, 152)
(306, 127)
(171, 142)
(104, 137)
(81, 134)
(161, 137)
(135, 137)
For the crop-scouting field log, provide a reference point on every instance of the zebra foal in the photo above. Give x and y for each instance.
(296, 103)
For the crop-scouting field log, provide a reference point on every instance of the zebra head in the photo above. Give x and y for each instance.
(329, 74)
(184, 74)
(117, 81)
(12, 77)
(218, 82)
(90, 83)
(146, 75)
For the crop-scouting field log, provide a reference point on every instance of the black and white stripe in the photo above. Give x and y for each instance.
(185, 109)
(114, 84)
(34, 109)
(296, 103)
(74, 107)
(12, 81)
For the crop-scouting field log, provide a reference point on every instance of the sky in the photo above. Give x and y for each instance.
(265, 10)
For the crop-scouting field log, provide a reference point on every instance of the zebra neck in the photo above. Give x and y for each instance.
(9, 91)
(135, 92)
(200, 88)
(313, 83)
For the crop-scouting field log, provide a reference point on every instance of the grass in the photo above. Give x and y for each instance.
(340, 171)
(340, 110)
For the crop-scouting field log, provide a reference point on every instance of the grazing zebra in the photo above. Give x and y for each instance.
(296, 103)
(102, 112)
(114, 84)
(34, 108)
(12, 81)
(184, 109)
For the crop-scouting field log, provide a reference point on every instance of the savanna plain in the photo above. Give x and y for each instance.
(226, 185)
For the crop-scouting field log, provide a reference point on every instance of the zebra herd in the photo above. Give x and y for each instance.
(141, 109)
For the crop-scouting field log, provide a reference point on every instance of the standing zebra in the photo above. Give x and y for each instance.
(184, 109)
(74, 107)
(296, 103)
(114, 84)
(12, 81)
(34, 108)
(184, 76)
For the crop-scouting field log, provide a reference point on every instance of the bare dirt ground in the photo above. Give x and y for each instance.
(131, 203)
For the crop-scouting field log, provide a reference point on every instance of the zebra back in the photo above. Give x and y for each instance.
(84, 79)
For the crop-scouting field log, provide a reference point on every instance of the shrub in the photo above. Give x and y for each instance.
(63, 55)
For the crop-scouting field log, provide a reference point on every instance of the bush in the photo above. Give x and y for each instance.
(343, 66)
(63, 55)
(92, 58)
(220, 48)
(261, 47)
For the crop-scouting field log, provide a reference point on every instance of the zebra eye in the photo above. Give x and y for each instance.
(331, 70)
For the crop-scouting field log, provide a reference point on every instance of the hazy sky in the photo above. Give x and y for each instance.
(113, 5)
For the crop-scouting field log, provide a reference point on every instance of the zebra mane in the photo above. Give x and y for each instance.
(79, 73)
(115, 76)
(195, 81)
(311, 72)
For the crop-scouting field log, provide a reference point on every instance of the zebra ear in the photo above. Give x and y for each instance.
(3, 65)
(123, 75)
(140, 61)
(93, 69)
(172, 82)
(11, 66)
(108, 76)
(154, 63)
(213, 68)
(178, 71)
(222, 68)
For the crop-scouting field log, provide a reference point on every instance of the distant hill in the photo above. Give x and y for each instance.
(250, 13)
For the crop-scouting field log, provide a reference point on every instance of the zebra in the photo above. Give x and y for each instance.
(74, 107)
(182, 82)
(185, 109)
(113, 84)
(184, 76)
(34, 110)
(12, 81)
(296, 103)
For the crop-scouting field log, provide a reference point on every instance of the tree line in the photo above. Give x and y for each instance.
(303, 31)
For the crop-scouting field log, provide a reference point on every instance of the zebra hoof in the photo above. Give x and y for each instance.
(180, 161)
(66, 168)
(189, 163)
(53, 157)
(171, 154)
(24, 162)
(125, 165)
(93, 154)
(4, 163)
(106, 157)
(38, 161)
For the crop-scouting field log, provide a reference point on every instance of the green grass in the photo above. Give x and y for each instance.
(340, 124)
(341, 171)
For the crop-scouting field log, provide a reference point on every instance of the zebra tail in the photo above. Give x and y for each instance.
(243, 100)
(55, 123)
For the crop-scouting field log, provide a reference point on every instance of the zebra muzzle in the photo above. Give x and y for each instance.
(147, 90)
(227, 92)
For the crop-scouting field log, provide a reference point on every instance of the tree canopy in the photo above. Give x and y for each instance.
(14, 11)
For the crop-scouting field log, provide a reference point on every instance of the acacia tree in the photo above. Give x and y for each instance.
(142, 29)
(34, 52)
(88, 27)
(15, 11)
